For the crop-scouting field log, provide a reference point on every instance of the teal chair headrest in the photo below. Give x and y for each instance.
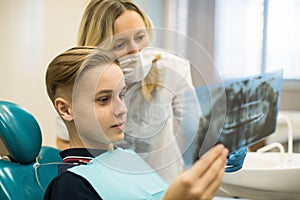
(26, 167)
(20, 133)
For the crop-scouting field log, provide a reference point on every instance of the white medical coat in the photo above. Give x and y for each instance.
(154, 128)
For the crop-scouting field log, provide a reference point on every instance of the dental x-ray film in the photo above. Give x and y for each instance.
(238, 113)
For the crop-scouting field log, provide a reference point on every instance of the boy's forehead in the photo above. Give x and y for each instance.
(111, 74)
(88, 78)
(100, 76)
(91, 74)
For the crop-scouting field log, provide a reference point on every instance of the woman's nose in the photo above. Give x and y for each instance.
(133, 48)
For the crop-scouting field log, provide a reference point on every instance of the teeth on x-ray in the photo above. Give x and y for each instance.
(252, 106)
(252, 112)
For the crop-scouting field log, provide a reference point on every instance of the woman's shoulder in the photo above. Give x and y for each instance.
(174, 62)
(170, 56)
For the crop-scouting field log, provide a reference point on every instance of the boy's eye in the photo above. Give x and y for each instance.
(122, 94)
(103, 100)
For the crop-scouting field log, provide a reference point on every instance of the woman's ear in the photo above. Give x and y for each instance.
(64, 108)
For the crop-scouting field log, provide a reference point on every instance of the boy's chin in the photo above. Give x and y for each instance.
(117, 139)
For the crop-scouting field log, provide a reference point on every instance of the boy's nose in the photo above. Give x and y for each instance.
(119, 109)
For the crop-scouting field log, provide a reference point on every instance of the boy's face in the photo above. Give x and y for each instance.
(98, 105)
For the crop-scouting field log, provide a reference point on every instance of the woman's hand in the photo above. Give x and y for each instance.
(203, 179)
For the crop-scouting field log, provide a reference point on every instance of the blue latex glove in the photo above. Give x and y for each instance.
(236, 160)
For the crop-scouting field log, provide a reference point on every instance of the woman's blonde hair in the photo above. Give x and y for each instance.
(64, 69)
(97, 26)
(97, 23)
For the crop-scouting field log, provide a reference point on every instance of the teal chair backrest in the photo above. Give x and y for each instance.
(26, 167)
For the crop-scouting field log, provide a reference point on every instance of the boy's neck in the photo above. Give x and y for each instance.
(76, 142)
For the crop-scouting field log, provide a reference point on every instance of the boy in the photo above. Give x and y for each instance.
(86, 87)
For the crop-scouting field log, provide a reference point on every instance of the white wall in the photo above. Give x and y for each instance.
(32, 33)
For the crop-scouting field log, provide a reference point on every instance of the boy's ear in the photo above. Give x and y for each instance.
(64, 108)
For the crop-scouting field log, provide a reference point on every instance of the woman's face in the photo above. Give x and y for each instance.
(100, 111)
(130, 34)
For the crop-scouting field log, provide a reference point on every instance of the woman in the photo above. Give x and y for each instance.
(86, 87)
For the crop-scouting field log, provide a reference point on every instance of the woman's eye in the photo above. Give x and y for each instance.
(140, 37)
(118, 46)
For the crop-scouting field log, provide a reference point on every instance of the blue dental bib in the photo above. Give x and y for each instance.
(122, 174)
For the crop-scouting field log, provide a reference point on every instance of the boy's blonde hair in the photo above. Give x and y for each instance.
(64, 69)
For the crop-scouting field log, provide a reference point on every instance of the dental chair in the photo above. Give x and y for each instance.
(26, 167)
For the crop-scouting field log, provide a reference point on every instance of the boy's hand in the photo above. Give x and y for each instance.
(203, 179)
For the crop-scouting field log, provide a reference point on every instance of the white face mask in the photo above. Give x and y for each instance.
(136, 66)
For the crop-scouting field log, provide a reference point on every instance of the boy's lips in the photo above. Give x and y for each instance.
(119, 125)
